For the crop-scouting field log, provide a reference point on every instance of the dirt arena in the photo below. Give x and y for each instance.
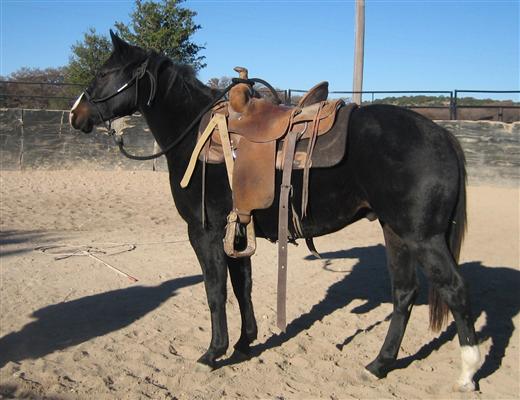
(73, 328)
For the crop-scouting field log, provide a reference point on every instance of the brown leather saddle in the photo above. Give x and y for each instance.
(261, 137)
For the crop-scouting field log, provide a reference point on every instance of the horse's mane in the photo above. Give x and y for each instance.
(186, 76)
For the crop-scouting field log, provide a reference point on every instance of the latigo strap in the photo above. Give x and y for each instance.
(283, 230)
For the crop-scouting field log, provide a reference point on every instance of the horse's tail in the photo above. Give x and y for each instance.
(457, 228)
(454, 237)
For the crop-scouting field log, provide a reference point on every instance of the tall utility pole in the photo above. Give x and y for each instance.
(359, 51)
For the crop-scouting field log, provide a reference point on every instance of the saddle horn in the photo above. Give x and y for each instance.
(242, 72)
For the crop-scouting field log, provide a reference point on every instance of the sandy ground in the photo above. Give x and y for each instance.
(75, 329)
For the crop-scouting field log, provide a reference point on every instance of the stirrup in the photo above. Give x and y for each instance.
(229, 238)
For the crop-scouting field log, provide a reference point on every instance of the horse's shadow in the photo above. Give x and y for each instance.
(16, 242)
(66, 324)
(493, 290)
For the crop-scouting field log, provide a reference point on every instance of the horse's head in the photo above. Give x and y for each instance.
(113, 92)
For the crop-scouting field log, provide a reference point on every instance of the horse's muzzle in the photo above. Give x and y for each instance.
(81, 122)
(80, 116)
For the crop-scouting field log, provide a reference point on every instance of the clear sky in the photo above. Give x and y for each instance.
(409, 45)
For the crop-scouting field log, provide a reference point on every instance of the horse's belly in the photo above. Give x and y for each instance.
(333, 204)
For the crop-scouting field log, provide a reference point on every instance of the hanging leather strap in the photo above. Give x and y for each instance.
(283, 229)
(219, 121)
(308, 162)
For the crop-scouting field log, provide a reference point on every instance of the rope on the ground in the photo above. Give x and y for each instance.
(63, 251)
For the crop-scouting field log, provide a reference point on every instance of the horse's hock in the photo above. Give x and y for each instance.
(43, 139)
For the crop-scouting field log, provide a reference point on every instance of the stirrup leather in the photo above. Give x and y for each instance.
(229, 238)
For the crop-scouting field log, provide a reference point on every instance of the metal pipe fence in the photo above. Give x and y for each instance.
(499, 108)
(446, 104)
(453, 103)
(39, 95)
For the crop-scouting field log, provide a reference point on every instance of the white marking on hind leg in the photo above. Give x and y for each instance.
(470, 356)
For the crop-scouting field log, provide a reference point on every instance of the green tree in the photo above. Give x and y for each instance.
(87, 56)
(165, 27)
(47, 75)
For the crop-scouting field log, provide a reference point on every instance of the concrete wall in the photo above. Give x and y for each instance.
(41, 139)
(492, 149)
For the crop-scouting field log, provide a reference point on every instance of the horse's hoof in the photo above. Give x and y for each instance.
(376, 370)
(368, 376)
(205, 363)
(465, 387)
(203, 368)
(239, 356)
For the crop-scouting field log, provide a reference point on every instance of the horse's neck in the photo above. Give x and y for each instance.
(173, 111)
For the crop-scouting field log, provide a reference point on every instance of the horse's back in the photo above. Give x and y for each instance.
(398, 134)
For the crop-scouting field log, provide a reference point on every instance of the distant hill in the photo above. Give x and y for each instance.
(422, 100)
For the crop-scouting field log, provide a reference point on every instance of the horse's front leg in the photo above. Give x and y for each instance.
(213, 261)
(240, 272)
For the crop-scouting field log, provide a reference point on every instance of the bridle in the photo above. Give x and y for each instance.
(141, 71)
(137, 75)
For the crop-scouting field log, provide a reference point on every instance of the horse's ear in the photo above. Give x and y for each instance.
(118, 43)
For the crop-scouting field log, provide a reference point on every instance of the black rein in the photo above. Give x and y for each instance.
(139, 73)
(235, 81)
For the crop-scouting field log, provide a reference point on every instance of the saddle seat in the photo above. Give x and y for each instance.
(260, 121)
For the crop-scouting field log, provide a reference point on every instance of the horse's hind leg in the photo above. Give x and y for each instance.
(441, 269)
(240, 273)
(401, 266)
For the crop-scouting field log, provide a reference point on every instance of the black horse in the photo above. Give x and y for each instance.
(399, 166)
